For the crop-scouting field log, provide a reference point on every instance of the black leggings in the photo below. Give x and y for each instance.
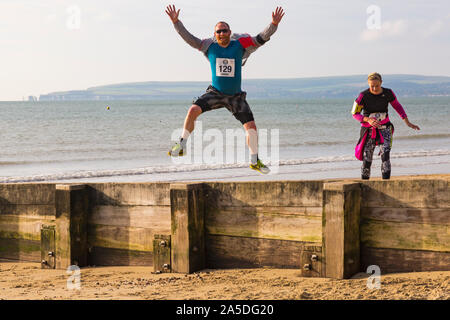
(385, 150)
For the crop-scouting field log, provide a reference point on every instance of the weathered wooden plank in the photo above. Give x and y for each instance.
(23, 227)
(439, 216)
(24, 218)
(417, 193)
(187, 206)
(128, 238)
(404, 235)
(296, 211)
(29, 210)
(161, 253)
(48, 247)
(241, 252)
(20, 249)
(99, 256)
(62, 229)
(30, 193)
(135, 194)
(341, 223)
(250, 223)
(71, 211)
(394, 260)
(312, 261)
(151, 217)
(265, 193)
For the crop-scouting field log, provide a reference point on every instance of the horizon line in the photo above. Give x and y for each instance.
(206, 81)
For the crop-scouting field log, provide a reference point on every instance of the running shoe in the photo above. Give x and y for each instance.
(259, 166)
(176, 151)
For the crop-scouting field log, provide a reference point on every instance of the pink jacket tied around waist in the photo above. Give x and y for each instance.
(359, 149)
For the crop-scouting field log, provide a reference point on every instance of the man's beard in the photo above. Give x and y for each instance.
(223, 42)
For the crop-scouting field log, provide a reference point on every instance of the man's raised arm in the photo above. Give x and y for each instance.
(179, 27)
(265, 35)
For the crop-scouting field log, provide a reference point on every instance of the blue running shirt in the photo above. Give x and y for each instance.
(226, 66)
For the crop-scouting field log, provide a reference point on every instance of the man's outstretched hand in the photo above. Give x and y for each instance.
(172, 13)
(277, 15)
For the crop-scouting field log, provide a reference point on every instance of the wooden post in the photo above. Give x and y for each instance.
(71, 204)
(311, 261)
(161, 253)
(188, 236)
(340, 229)
(48, 247)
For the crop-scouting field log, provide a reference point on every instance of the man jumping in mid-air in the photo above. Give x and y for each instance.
(227, 54)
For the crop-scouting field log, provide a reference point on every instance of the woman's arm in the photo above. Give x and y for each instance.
(401, 112)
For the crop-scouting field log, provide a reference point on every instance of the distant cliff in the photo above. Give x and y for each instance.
(321, 87)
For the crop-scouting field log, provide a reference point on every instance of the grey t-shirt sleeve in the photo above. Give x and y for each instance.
(265, 35)
(192, 40)
(259, 40)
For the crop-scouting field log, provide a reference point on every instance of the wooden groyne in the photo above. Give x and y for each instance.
(323, 228)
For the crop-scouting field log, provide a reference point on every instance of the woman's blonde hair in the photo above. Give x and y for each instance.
(374, 76)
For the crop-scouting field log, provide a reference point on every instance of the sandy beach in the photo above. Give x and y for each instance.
(26, 281)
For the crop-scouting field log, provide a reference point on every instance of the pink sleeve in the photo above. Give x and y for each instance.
(358, 116)
(398, 107)
(359, 99)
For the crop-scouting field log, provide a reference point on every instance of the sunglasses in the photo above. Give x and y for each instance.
(222, 31)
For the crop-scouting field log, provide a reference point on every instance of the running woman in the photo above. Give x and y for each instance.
(227, 53)
(376, 129)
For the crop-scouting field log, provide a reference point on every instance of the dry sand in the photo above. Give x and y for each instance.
(29, 281)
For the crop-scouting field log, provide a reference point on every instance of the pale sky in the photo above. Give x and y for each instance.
(59, 45)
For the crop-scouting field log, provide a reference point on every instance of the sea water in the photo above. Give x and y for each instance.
(88, 141)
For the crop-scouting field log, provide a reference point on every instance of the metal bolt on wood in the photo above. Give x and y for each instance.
(314, 258)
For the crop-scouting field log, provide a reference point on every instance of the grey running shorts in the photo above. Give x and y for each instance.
(236, 104)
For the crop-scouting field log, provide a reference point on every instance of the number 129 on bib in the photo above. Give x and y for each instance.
(224, 67)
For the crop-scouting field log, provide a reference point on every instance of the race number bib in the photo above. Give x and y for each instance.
(224, 67)
(380, 116)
